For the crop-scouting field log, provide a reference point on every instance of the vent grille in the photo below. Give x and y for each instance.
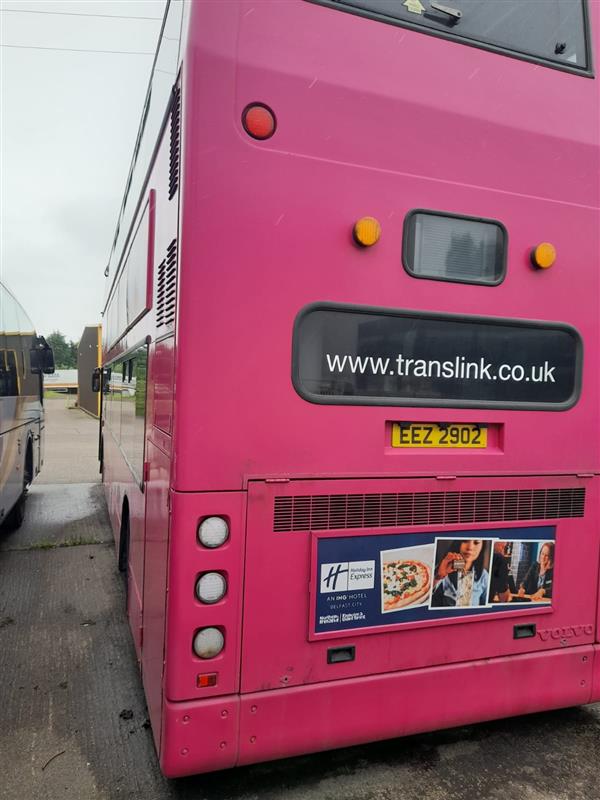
(174, 149)
(166, 288)
(326, 512)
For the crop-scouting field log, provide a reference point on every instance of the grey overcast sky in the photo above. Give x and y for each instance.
(68, 125)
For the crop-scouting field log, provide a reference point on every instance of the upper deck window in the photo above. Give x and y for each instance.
(447, 247)
(553, 32)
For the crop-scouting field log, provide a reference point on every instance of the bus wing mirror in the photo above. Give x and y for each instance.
(48, 361)
(97, 379)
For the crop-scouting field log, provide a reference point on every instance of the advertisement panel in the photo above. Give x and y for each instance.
(390, 579)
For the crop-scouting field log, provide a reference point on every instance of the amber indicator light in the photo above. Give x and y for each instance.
(259, 121)
(544, 255)
(366, 231)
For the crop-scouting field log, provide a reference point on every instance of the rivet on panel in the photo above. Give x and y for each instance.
(252, 739)
(185, 751)
(224, 713)
(253, 709)
(223, 745)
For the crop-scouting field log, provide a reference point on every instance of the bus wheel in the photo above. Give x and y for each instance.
(28, 474)
(16, 515)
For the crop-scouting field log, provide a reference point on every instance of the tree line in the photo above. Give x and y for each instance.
(65, 352)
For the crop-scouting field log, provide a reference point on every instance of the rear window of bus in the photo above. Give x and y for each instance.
(551, 32)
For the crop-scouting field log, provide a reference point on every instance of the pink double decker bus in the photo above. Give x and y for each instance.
(350, 398)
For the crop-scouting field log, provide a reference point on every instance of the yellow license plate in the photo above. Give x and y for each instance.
(429, 434)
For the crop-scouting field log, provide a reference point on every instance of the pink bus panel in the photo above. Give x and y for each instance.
(345, 619)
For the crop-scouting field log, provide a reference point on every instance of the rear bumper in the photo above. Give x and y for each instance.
(217, 733)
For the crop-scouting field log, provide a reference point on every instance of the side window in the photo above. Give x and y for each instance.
(552, 33)
(133, 410)
(9, 378)
(12, 367)
(159, 93)
(115, 390)
(3, 375)
(106, 403)
(30, 383)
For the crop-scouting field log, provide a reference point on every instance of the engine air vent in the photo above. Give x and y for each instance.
(327, 512)
(166, 287)
(174, 147)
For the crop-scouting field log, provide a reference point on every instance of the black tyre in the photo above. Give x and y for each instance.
(124, 541)
(16, 515)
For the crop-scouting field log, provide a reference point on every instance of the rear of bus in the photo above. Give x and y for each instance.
(386, 374)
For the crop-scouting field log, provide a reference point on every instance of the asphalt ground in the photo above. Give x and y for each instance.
(73, 721)
(71, 445)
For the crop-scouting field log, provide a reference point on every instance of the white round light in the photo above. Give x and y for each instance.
(213, 531)
(208, 642)
(211, 587)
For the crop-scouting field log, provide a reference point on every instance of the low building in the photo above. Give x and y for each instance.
(62, 380)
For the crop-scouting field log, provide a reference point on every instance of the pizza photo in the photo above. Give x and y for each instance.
(406, 577)
(404, 583)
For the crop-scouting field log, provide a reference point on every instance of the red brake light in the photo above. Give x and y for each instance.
(259, 121)
(210, 679)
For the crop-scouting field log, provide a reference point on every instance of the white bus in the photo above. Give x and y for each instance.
(24, 356)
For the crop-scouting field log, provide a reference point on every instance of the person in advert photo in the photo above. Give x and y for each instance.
(537, 584)
(461, 573)
(502, 583)
(524, 563)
